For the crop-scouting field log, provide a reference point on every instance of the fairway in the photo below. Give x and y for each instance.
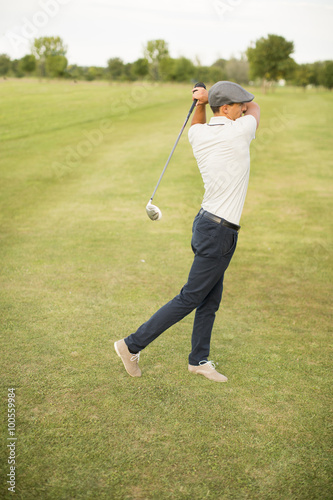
(83, 266)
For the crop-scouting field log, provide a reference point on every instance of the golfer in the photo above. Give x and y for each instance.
(221, 148)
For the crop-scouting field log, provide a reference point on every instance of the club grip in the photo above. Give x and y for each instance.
(199, 84)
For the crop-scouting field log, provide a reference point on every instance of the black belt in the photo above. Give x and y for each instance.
(218, 220)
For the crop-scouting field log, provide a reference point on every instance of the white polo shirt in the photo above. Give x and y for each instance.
(222, 150)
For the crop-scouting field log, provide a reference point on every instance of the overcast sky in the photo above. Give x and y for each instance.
(96, 30)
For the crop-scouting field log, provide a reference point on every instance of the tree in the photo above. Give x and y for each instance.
(184, 70)
(15, 69)
(221, 64)
(128, 74)
(95, 73)
(302, 75)
(166, 69)
(237, 70)
(270, 58)
(315, 73)
(203, 73)
(155, 51)
(5, 64)
(326, 75)
(75, 72)
(140, 68)
(115, 68)
(56, 65)
(28, 64)
(47, 46)
(209, 74)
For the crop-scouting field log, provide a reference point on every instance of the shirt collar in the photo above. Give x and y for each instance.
(218, 120)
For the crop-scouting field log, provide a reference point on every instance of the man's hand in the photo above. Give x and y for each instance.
(201, 95)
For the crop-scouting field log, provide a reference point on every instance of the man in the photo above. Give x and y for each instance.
(221, 149)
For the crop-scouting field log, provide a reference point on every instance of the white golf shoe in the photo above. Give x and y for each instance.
(130, 360)
(207, 369)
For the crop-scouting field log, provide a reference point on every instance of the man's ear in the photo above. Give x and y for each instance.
(224, 109)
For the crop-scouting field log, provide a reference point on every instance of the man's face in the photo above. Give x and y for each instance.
(236, 110)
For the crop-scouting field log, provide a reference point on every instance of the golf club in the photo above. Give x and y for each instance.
(153, 212)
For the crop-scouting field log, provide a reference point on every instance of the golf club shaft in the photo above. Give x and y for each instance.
(179, 136)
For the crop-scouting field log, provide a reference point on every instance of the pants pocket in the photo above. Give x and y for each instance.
(228, 242)
(205, 240)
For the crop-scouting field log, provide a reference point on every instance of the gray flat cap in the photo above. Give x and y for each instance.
(227, 93)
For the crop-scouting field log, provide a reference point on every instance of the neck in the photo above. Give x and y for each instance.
(222, 114)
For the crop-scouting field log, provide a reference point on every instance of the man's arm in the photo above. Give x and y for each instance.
(201, 95)
(252, 108)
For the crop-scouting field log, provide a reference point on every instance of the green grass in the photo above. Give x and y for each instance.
(83, 266)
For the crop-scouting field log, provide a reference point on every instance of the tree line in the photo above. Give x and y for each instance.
(267, 60)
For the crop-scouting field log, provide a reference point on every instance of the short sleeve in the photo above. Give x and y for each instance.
(249, 126)
(194, 132)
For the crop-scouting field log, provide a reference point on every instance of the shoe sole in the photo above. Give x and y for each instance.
(116, 349)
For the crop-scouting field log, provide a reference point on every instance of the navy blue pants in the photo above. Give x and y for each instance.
(213, 245)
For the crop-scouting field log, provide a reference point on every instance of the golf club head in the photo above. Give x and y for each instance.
(153, 212)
